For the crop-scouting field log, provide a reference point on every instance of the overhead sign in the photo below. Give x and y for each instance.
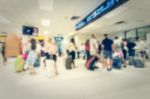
(101, 10)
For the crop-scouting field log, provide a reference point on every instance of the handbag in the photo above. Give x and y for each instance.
(37, 63)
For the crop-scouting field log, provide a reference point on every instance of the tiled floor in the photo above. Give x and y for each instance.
(79, 83)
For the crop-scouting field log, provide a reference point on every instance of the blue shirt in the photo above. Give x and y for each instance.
(107, 43)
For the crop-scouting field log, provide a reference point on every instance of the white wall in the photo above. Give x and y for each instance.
(81, 38)
(113, 35)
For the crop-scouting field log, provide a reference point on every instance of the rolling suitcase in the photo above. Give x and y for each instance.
(68, 62)
(117, 62)
(19, 64)
(131, 60)
(91, 62)
(138, 62)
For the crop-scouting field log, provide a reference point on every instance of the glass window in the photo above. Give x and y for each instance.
(142, 32)
(131, 34)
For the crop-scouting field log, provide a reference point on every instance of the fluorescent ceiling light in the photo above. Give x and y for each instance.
(45, 22)
(46, 5)
(4, 20)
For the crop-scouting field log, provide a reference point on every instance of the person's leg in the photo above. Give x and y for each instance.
(106, 61)
(78, 53)
(4, 58)
(44, 62)
(95, 61)
(55, 67)
(32, 62)
(109, 60)
(125, 57)
(88, 55)
(31, 69)
(73, 59)
(55, 64)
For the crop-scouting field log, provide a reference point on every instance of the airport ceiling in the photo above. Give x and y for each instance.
(57, 13)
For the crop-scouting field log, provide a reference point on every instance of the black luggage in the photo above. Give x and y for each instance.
(68, 62)
(90, 64)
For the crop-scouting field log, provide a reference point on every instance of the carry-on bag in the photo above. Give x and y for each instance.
(68, 62)
(37, 63)
(139, 62)
(19, 64)
(91, 62)
(117, 62)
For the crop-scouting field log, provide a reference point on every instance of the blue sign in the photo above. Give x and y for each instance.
(101, 10)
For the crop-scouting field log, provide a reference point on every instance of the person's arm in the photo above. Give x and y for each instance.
(102, 45)
(113, 47)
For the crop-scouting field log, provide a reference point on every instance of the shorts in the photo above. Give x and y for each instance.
(107, 54)
(51, 56)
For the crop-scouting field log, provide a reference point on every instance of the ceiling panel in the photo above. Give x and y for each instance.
(28, 12)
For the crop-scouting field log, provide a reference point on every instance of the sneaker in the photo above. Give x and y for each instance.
(96, 67)
(109, 69)
(124, 66)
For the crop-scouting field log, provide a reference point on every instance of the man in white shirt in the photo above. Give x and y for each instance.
(93, 51)
(93, 45)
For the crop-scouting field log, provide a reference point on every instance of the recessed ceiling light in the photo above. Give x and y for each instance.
(45, 22)
(46, 5)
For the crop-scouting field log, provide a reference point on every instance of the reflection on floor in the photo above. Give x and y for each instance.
(79, 83)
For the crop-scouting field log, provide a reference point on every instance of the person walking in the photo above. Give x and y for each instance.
(107, 45)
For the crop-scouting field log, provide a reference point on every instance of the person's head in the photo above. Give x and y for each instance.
(72, 40)
(32, 40)
(116, 37)
(137, 38)
(93, 36)
(105, 35)
(49, 40)
(33, 44)
(87, 42)
(123, 39)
